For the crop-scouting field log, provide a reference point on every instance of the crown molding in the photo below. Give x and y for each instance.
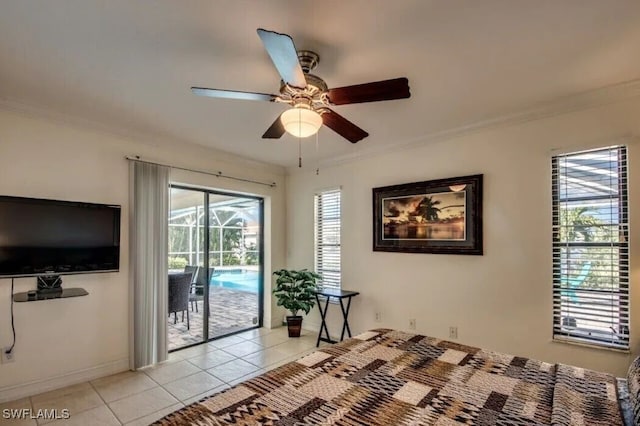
(146, 138)
(559, 106)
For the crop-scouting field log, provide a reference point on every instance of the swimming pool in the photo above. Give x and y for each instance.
(238, 279)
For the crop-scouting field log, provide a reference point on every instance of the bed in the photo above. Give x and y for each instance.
(389, 377)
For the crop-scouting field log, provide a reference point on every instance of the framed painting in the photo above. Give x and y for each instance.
(441, 216)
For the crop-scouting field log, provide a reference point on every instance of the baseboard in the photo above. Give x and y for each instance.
(306, 325)
(275, 323)
(315, 329)
(35, 387)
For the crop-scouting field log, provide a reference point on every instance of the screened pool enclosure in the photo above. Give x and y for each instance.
(228, 291)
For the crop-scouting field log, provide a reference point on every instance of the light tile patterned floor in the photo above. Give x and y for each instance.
(231, 311)
(142, 397)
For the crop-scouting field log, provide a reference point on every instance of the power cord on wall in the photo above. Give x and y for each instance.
(13, 327)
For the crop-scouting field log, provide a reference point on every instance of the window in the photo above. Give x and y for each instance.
(327, 237)
(590, 247)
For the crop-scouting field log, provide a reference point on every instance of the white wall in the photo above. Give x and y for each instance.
(502, 300)
(69, 340)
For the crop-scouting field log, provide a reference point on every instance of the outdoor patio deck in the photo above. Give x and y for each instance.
(231, 311)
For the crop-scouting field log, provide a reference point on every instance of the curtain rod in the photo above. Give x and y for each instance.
(216, 174)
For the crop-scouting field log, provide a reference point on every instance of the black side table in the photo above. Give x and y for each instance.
(338, 294)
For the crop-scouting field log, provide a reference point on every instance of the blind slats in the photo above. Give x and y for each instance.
(327, 238)
(590, 247)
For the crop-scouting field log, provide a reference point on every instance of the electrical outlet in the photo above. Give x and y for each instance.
(453, 332)
(412, 324)
(7, 357)
(378, 316)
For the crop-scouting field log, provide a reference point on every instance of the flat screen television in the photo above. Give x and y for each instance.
(45, 237)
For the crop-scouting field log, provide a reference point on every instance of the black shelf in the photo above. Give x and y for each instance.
(62, 294)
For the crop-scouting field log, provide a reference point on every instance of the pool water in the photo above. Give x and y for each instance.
(237, 279)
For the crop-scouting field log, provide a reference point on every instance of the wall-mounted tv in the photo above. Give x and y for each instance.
(44, 237)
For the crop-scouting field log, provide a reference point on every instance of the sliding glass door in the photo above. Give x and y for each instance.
(186, 254)
(225, 295)
(235, 253)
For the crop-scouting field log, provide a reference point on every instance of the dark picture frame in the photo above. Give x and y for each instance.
(442, 216)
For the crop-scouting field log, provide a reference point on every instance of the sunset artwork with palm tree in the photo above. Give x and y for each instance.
(434, 216)
(440, 216)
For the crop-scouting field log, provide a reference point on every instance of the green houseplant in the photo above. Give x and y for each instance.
(295, 291)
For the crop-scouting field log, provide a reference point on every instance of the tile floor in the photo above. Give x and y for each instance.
(142, 397)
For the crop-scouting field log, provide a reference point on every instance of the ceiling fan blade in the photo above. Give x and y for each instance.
(233, 94)
(386, 90)
(275, 131)
(342, 126)
(283, 53)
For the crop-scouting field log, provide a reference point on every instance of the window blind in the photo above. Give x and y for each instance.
(327, 238)
(590, 247)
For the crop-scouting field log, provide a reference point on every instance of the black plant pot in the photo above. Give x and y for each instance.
(294, 325)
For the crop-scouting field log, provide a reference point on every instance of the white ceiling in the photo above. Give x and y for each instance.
(129, 64)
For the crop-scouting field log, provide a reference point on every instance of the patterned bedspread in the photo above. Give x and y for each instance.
(387, 377)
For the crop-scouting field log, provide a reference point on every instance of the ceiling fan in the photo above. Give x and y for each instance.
(308, 94)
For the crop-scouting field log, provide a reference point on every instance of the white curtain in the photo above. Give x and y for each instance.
(148, 263)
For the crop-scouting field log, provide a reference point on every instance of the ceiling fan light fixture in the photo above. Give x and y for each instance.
(301, 121)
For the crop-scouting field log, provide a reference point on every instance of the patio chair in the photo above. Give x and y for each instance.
(193, 270)
(179, 288)
(197, 290)
(573, 284)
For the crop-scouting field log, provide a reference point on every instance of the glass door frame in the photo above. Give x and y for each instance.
(205, 310)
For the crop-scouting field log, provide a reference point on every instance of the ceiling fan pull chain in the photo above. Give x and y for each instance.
(299, 138)
(317, 155)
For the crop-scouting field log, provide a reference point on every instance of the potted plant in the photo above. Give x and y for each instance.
(295, 292)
